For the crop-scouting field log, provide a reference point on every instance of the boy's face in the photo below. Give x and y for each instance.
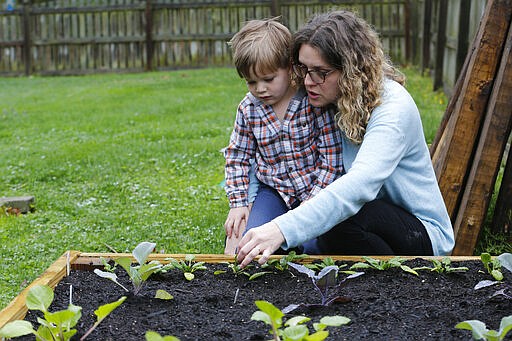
(271, 88)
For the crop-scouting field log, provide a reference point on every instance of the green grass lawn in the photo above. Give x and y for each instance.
(113, 160)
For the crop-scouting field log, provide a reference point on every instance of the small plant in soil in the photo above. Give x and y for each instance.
(187, 266)
(294, 329)
(281, 264)
(328, 261)
(492, 265)
(138, 273)
(381, 264)
(325, 282)
(55, 326)
(494, 268)
(480, 332)
(237, 270)
(443, 266)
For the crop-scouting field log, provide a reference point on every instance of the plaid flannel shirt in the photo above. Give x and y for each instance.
(298, 156)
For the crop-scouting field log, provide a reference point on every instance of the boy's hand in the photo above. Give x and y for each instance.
(236, 221)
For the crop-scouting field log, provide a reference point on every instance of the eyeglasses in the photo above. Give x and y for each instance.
(317, 76)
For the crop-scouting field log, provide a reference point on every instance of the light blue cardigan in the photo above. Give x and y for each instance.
(393, 163)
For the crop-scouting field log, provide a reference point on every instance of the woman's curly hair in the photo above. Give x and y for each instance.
(350, 45)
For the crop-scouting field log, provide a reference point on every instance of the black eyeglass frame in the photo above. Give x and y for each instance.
(302, 70)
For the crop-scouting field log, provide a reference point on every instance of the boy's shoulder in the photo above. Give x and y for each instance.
(250, 100)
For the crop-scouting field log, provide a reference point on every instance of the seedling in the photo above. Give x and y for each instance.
(492, 265)
(325, 282)
(328, 261)
(295, 328)
(281, 264)
(107, 266)
(379, 264)
(480, 331)
(238, 270)
(443, 266)
(505, 260)
(187, 266)
(56, 326)
(138, 273)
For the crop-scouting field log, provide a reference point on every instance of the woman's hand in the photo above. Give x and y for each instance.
(262, 240)
(236, 221)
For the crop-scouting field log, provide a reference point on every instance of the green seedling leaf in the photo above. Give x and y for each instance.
(295, 332)
(334, 321)
(65, 318)
(318, 336)
(261, 316)
(258, 274)
(505, 326)
(477, 328)
(505, 260)
(189, 276)
(163, 295)
(101, 313)
(104, 310)
(142, 251)
(408, 269)
(497, 275)
(39, 298)
(297, 320)
(273, 312)
(16, 328)
(154, 336)
(109, 275)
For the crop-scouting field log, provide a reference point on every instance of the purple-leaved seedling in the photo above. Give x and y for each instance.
(326, 283)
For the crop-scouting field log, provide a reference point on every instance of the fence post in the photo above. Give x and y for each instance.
(26, 36)
(427, 19)
(149, 36)
(441, 42)
(407, 28)
(463, 36)
(275, 9)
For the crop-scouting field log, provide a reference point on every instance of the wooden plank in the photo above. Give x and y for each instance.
(452, 156)
(52, 276)
(502, 219)
(489, 153)
(82, 260)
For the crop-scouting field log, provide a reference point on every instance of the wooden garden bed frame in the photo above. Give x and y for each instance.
(77, 260)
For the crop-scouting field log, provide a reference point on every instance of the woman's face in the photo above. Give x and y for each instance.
(323, 94)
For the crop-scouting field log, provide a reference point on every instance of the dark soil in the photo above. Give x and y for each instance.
(384, 305)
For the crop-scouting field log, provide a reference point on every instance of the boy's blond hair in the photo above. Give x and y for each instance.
(260, 47)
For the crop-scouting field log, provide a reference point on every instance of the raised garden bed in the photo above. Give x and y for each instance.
(383, 305)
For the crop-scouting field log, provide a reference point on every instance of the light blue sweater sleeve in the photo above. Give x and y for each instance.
(393, 163)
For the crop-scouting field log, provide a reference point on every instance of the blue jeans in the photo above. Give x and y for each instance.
(379, 228)
(269, 205)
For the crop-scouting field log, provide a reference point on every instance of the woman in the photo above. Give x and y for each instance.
(388, 201)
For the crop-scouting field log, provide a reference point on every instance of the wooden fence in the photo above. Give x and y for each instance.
(90, 36)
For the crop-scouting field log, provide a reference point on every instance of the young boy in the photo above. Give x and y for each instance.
(295, 148)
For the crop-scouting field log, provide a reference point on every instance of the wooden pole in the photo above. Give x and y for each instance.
(502, 218)
(427, 18)
(452, 155)
(440, 44)
(488, 156)
(149, 36)
(26, 36)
